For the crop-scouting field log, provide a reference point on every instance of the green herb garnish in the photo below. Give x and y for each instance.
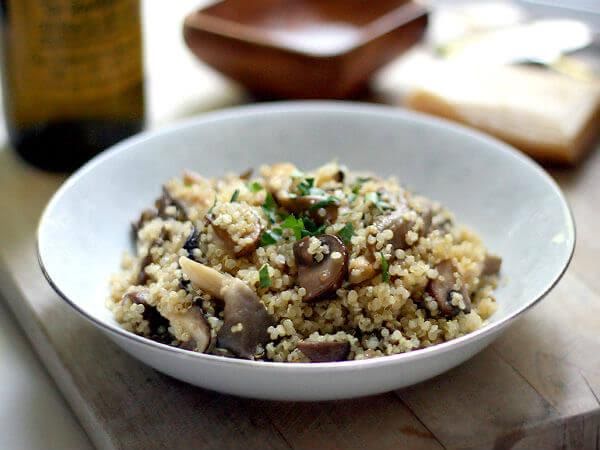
(330, 200)
(210, 210)
(305, 186)
(269, 207)
(375, 199)
(346, 233)
(264, 277)
(235, 196)
(296, 225)
(311, 228)
(270, 237)
(385, 266)
(358, 185)
(255, 186)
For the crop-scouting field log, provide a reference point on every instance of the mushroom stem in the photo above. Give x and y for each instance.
(209, 280)
(245, 319)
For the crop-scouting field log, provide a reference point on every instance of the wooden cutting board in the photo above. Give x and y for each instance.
(538, 386)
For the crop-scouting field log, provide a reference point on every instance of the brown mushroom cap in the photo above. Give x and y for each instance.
(442, 288)
(230, 244)
(491, 264)
(157, 324)
(146, 216)
(325, 351)
(166, 200)
(242, 306)
(326, 276)
(399, 225)
(306, 203)
(195, 324)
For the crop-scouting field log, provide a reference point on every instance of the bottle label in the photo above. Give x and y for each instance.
(67, 58)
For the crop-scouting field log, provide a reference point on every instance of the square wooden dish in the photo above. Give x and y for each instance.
(304, 48)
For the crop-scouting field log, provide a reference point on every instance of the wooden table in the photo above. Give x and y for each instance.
(538, 386)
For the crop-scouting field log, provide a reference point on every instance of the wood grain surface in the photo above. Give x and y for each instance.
(538, 386)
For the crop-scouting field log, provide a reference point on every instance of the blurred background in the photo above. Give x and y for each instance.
(79, 78)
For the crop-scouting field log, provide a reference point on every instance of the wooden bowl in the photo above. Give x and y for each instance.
(303, 48)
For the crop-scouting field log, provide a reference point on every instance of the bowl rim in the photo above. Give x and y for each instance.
(315, 106)
(395, 18)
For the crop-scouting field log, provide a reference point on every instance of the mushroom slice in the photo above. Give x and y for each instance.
(245, 318)
(155, 320)
(443, 290)
(146, 216)
(360, 269)
(491, 265)
(192, 241)
(326, 276)
(325, 351)
(310, 204)
(243, 238)
(246, 321)
(142, 276)
(166, 200)
(193, 323)
(397, 222)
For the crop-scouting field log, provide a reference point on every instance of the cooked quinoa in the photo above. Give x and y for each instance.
(325, 265)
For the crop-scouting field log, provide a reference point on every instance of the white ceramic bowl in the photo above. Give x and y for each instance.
(508, 199)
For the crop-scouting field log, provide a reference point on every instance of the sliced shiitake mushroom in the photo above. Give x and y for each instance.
(157, 324)
(309, 204)
(143, 277)
(146, 216)
(234, 247)
(445, 286)
(246, 174)
(245, 321)
(245, 318)
(397, 222)
(360, 269)
(491, 265)
(192, 241)
(193, 323)
(325, 351)
(323, 277)
(166, 200)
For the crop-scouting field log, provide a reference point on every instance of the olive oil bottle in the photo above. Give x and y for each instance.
(72, 77)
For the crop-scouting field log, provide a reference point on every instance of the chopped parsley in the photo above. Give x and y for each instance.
(269, 207)
(255, 186)
(311, 228)
(305, 186)
(210, 210)
(235, 196)
(375, 199)
(264, 277)
(328, 201)
(296, 225)
(358, 185)
(385, 269)
(270, 237)
(346, 233)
